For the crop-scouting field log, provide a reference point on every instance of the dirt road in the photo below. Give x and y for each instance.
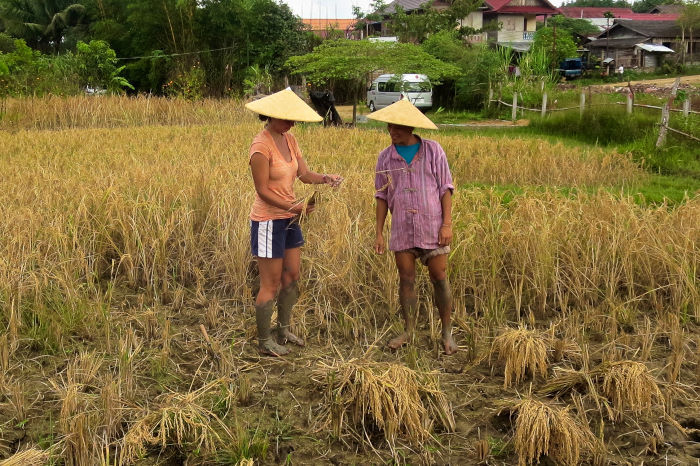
(693, 80)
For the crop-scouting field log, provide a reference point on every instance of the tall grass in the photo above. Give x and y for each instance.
(54, 112)
(165, 208)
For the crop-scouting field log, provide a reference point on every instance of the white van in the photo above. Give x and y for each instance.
(390, 88)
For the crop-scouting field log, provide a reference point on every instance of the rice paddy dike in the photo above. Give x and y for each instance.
(127, 329)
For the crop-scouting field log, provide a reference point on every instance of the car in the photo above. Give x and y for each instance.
(571, 68)
(390, 88)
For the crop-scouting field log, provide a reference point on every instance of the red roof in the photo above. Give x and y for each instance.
(501, 6)
(529, 10)
(593, 12)
(649, 17)
(323, 24)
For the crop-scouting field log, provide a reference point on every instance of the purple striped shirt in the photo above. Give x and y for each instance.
(413, 193)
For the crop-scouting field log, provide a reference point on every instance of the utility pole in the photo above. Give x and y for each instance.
(607, 15)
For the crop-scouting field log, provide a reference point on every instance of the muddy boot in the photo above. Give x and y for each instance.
(409, 311)
(266, 344)
(285, 303)
(443, 301)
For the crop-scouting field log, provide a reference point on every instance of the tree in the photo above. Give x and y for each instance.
(480, 66)
(558, 50)
(417, 26)
(354, 61)
(376, 8)
(97, 66)
(689, 21)
(577, 26)
(43, 24)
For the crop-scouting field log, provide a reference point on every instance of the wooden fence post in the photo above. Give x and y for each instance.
(522, 110)
(514, 110)
(583, 103)
(665, 112)
(544, 104)
(686, 108)
(630, 104)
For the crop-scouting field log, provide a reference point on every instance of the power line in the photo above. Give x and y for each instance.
(176, 54)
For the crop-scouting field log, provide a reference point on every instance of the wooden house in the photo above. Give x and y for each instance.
(622, 43)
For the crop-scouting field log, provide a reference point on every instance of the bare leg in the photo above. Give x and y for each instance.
(437, 268)
(270, 278)
(406, 263)
(288, 296)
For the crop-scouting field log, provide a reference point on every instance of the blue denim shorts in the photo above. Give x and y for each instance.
(269, 238)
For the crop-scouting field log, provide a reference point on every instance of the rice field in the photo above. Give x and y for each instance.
(126, 298)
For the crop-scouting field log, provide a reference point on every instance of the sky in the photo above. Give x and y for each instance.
(337, 9)
(330, 9)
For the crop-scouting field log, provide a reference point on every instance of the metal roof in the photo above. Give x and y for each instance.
(655, 48)
(517, 46)
(615, 43)
(666, 29)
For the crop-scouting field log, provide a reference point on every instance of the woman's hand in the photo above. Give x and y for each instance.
(445, 235)
(379, 244)
(332, 180)
(302, 208)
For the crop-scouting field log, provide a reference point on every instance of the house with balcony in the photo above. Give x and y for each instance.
(517, 21)
(512, 22)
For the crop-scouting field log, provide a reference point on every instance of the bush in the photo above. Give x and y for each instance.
(96, 65)
(187, 85)
(25, 71)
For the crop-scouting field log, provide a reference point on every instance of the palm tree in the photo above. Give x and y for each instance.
(41, 23)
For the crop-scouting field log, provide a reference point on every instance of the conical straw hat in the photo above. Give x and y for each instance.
(403, 113)
(284, 105)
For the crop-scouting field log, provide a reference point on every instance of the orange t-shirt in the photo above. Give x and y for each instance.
(282, 175)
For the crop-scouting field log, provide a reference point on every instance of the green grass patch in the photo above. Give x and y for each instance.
(656, 190)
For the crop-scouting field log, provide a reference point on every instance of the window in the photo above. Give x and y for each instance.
(422, 86)
(382, 87)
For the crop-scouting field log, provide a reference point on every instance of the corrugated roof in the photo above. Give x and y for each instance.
(649, 17)
(503, 6)
(530, 10)
(614, 43)
(655, 48)
(410, 5)
(592, 12)
(667, 9)
(666, 29)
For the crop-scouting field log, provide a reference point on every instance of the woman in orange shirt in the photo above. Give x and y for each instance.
(275, 235)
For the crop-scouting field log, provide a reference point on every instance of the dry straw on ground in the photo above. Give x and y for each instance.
(631, 388)
(180, 420)
(628, 386)
(366, 397)
(28, 457)
(522, 351)
(544, 430)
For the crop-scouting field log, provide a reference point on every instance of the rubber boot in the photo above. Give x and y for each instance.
(266, 345)
(285, 303)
